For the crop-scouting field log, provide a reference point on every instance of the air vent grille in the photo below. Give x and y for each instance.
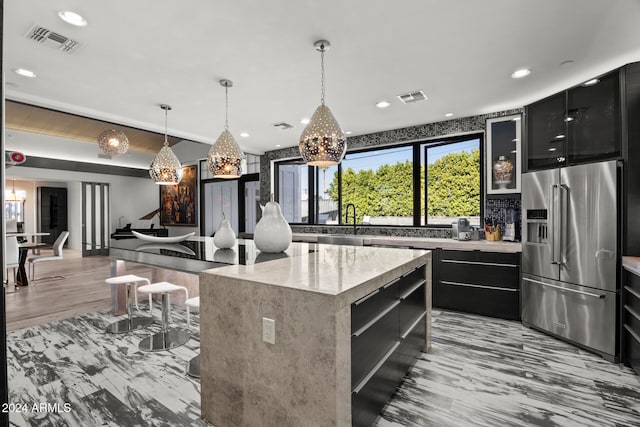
(283, 125)
(49, 38)
(412, 97)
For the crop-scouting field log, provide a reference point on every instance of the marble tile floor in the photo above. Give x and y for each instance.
(104, 377)
(481, 372)
(491, 372)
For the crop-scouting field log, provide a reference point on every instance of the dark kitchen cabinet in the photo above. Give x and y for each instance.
(485, 283)
(388, 330)
(631, 321)
(594, 120)
(578, 125)
(546, 132)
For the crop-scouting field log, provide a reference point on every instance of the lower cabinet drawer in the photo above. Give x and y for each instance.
(372, 344)
(632, 349)
(367, 402)
(413, 305)
(469, 298)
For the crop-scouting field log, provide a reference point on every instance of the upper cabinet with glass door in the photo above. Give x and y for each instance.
(503, 154)
(575, 126)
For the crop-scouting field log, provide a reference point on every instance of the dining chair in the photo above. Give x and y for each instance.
(12, 257)
(57, 254)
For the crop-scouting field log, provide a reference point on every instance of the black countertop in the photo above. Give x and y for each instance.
(193, 255)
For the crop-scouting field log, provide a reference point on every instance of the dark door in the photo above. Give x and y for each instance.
(52, 212)
(594, 131)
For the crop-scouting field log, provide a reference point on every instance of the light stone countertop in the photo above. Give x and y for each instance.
(426, 242)
(632, 264)
(329, 269)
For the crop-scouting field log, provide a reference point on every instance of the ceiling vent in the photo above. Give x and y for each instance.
(412, 97)
(49, 38)
(283, 125)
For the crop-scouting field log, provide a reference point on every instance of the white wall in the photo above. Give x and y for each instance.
(131, 198)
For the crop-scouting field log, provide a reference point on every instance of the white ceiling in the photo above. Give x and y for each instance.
(461, 53)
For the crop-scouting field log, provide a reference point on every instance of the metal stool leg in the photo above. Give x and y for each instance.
(167, 338)
(130, 323)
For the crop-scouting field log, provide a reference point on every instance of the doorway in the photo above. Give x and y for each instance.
(95, 219)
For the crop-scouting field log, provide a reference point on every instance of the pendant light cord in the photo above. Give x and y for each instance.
(226, 108)
(166, 143)
(322, 74)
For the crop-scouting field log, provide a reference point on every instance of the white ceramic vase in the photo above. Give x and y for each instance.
(224, 238)
(272, 233)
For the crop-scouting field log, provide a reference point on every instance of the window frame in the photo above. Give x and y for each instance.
(419, 197)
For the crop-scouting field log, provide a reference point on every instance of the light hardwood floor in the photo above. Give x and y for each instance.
(81, 290)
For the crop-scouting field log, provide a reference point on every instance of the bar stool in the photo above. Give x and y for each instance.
(193, 367)
(130, 323)
(167, 338)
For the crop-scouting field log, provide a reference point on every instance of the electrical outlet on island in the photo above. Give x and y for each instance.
(268, 330)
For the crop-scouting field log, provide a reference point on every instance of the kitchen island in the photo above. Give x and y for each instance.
(320, 336)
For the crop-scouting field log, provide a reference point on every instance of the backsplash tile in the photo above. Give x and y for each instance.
(498, 208)
(444, 233)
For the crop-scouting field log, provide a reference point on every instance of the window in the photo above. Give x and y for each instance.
(293, 190)
(452, 173)
(326, 194)
(379, 183)
(416, 184)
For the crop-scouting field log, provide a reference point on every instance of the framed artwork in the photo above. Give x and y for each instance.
(503, 159)
(179, 203)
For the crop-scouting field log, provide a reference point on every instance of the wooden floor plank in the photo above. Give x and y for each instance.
(47, 299)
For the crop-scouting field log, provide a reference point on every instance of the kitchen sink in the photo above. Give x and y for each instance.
(341, 239)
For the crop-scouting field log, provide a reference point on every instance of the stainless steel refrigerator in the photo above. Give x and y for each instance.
(569, 253)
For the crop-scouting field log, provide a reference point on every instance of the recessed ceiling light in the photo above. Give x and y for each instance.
(244, 135)
(590, 82)
(348, 132)
(278, 145)
(561, 136)
(518, 74)
(552, 149)
(72, 18)
(383, 104)
(448, 115)
(24, 72)
(514, 151)
(568, 119)
(304, 121)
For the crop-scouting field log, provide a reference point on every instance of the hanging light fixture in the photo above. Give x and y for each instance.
(113, 142)
(226, 159)
(166, 168)
(322, 143)
(13, 197)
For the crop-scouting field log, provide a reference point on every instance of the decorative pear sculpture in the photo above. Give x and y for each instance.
(272, 233)
(224, 238)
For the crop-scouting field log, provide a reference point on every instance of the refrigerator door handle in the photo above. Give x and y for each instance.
(589, 294)
(554, 225)
(564, 214)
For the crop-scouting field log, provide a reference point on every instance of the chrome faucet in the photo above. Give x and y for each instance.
(346, 216)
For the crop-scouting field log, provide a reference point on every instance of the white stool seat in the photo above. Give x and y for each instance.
(131, 323)
(160, 288)
(127, 278)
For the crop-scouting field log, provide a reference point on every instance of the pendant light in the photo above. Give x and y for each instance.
(226, 159)
(166, 168)
(14, 196)
(113, 142)
(322, 143)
